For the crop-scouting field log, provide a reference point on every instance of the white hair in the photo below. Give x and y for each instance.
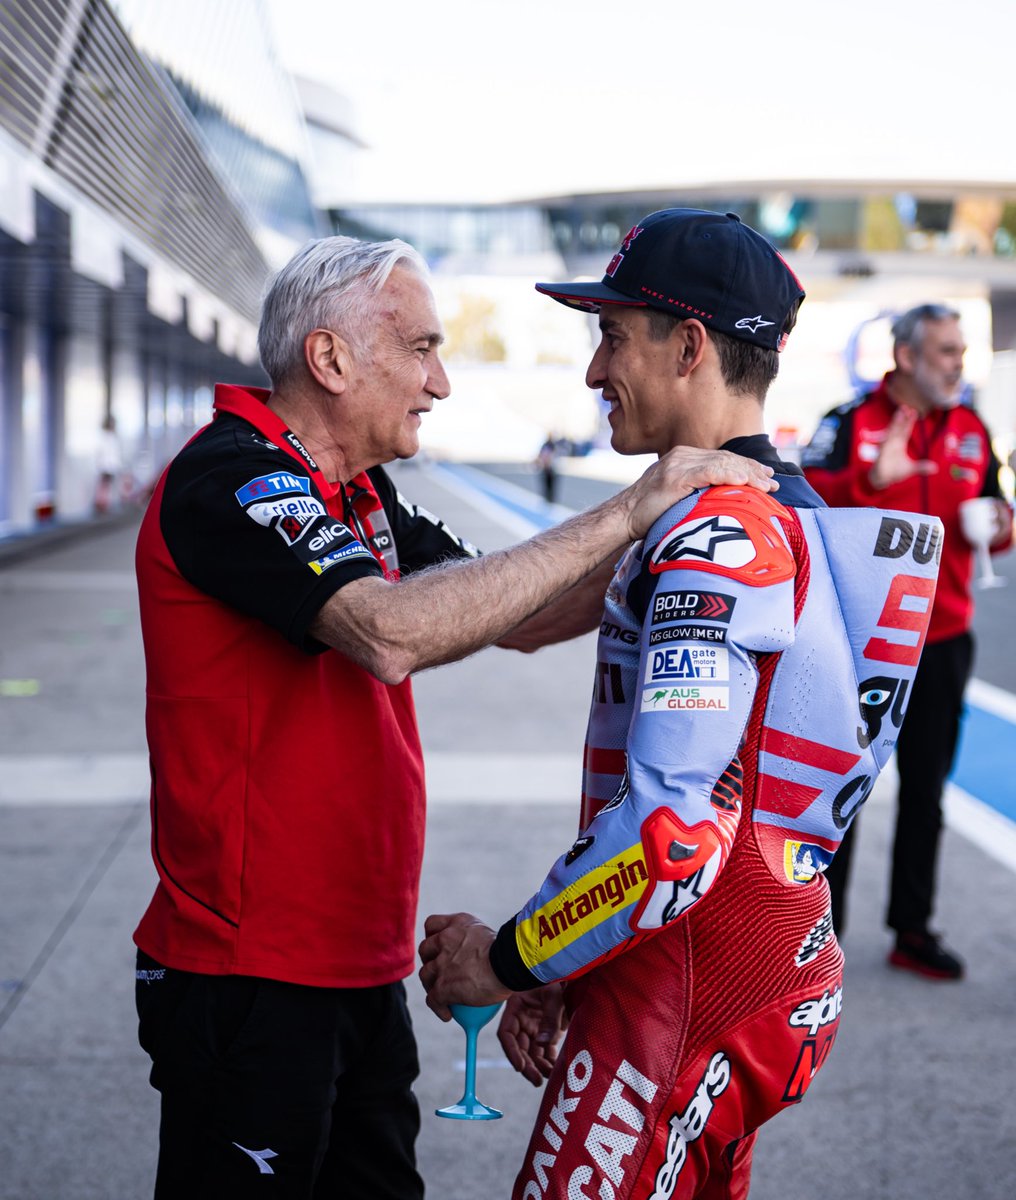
(331, 283)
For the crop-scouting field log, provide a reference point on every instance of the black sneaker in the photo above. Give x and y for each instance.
(924, 954)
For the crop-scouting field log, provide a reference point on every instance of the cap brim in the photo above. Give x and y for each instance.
(587, 296)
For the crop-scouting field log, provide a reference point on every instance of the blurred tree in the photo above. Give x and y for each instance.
(471, 336)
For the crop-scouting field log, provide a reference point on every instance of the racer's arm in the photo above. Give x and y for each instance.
(447, 612)
(659, 846)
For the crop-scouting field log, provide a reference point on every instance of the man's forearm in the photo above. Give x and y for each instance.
(574, 612)
(447, 612)
(440, 615)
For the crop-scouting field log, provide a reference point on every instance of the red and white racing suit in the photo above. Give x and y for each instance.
(753, 667)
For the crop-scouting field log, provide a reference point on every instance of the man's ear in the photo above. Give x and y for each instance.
(690, 341)
(904, 357)
(328, 359)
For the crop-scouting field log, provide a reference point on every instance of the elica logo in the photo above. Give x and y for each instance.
(330, 534)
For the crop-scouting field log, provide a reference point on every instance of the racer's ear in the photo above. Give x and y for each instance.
(690, 340)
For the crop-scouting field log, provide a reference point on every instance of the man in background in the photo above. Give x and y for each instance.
(911, 444)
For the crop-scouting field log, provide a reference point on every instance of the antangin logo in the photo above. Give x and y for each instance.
(590, 900)
(611, 892)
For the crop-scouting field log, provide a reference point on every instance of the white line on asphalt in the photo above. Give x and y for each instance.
(981, 824)
(481, 500)
(502, 778)
(992, 699)
(27, 779)
(472, 779)
(85, 778)
(67, 581)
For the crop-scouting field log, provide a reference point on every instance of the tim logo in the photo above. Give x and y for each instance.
(721, 540)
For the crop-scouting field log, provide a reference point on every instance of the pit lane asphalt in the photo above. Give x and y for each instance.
(915, 1101)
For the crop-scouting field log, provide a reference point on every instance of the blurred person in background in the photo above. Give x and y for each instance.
(287, 593)
(685, 939)
(546, 464)
(911, 444)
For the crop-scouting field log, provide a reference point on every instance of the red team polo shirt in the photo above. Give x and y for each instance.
(287, 783)
(847, 442)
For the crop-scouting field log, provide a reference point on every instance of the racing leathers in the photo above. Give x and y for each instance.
(752, 672)
(837, 463)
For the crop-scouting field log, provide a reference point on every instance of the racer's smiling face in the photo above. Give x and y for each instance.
(396, 374)
(634, 372)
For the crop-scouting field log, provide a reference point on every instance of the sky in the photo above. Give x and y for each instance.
(483, 100)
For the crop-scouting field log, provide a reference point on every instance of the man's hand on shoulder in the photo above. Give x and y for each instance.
(682, 471)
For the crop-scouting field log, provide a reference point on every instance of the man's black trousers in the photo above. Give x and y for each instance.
(280, 1090)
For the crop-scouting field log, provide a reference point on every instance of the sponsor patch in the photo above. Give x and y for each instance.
(301, 508)
(816, 939)
(685, 663)
(720, 539)
(582, 906)
(320, 565)
(686, 699)
(802, 861)
(812, 1015)
(281, 483)
(682, 606)
(688, 1126)
(687, 633)
(300, 448)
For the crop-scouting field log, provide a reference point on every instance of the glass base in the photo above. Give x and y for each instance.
(469, 1110)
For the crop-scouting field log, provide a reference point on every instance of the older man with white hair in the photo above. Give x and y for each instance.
(287, 593)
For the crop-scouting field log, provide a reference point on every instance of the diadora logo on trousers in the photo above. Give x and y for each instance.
(260, 1157)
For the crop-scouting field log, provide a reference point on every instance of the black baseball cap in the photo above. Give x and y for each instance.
(693, 263)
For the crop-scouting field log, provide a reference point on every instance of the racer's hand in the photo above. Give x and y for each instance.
(894, 463)
(531, 1027)
(680, 472)
(456, 963)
